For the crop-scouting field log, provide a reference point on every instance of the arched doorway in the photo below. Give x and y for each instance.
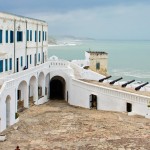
(41, 87)
(8, 111)
(57, 88)
(22, 96)
(32, 90)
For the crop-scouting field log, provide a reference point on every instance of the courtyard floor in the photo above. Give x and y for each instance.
(59, 126)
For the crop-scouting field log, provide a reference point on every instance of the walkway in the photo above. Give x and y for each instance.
(56, 125)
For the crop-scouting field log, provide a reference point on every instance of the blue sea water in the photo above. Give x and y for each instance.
(127, 59)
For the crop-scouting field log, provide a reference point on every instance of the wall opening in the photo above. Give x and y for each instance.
(57, 88)
(8, 111)
(93, 101)
(129, 107)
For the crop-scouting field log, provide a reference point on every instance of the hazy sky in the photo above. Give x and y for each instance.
(102, 19)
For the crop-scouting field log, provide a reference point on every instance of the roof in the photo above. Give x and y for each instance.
(97, 52)
(6, 13)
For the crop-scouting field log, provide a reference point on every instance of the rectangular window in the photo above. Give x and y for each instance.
(30, 35)
(11, 36)
(39, 36)
(97, 66)
(1, 65)
(27, 35)
(10, 63)
(43, 35)
(6, 65)
(1, 36)
(21, 61)
(35, 36)
(19, 36)
(39, 56)
(30, 59)
(6, 36)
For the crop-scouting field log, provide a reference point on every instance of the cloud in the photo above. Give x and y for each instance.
(111, 22)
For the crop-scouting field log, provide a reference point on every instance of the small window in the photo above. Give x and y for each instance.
(1, 65)
(10, 63)
(1, 36)
(43, 35)
(30, 59)
(30, 35)
(39, 56)
(19, 36)
(35, 36)
(27, 35)
(39, 36)
(21, 61)
(6, 36)
(11, 36)
(97, 66)
(6, 65)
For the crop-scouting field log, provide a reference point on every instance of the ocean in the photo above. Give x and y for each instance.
(127, 59)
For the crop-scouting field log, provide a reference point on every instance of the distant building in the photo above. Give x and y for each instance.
(97, 61)
(23, 42)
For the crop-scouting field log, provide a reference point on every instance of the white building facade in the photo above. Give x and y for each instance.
(23, 42)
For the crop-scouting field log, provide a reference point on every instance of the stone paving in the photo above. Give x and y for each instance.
(59, 126)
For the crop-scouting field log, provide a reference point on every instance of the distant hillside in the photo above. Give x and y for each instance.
(52, 41)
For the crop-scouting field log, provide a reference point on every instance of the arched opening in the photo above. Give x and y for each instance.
(41, 88)
(22, 96)
(32, 90)
(47, 79)
(8, 111)
(57, 88)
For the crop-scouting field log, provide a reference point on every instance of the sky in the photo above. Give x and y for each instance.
(99, 19)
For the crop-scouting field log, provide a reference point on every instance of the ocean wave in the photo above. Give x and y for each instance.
(131, 73)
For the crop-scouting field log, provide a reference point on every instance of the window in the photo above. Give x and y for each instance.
(11, 36)
(39, 56)
(1, 36)
(43, 35)
(19, 36)
(97, 66)
(35, 36)
(10, 63)
(1, 65)
(6, 36)
(27, 35)
(30, 59)
(6, 65)
(21, 61)
(30, 35)
(39, 36)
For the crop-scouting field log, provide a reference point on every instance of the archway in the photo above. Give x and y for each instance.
(32, 90)
(41, 88)
(47, 79)
(8, 111)
(57, 88)
(22, 96)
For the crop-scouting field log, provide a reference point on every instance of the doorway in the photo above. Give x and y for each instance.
(57, 88)
(129, 107)
(93, 101)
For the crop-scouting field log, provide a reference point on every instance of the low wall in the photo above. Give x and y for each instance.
(107, 98)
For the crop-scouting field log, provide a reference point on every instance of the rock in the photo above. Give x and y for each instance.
(16, 127)
(2, 138)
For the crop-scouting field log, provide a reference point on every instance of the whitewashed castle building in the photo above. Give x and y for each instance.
(28, 77)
